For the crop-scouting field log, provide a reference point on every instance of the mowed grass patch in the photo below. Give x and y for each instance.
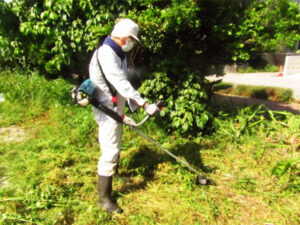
(50, 175)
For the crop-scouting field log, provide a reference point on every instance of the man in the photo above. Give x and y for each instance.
(108, 70)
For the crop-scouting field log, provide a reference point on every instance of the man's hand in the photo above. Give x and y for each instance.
(151, 109)
(129, 121)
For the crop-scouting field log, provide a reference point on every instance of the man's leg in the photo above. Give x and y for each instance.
(110, 137)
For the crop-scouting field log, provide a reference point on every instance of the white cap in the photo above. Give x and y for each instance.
(126, 28)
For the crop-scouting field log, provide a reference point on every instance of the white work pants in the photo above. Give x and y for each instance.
(110, 138)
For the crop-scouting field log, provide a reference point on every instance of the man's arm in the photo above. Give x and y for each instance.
(111, 66)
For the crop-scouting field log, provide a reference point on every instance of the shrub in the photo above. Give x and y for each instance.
(241, 90)
(258, 92)
(186, 102)
(284, 95)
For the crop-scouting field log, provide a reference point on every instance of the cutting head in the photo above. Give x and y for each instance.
(201, 180)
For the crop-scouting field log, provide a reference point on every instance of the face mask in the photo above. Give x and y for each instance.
(128, 46)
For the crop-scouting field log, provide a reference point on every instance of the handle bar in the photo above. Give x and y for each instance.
(160, 105)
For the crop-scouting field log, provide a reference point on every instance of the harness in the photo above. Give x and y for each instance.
(108, 41)
(111, 88)
(85, 94)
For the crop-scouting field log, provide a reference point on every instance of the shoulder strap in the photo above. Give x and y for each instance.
(109, 85)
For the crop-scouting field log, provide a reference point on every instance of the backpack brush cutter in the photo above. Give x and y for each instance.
(84, 94)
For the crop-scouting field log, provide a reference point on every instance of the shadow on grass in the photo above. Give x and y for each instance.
(191, 153)
(142, 162)
(145, 160)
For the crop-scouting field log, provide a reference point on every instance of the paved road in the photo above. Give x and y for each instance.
(264, 79)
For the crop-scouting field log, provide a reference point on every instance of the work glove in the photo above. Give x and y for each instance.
(151, 109)
(129, 121)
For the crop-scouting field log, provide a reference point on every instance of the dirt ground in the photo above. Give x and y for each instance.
(9, 134)
(12, 133)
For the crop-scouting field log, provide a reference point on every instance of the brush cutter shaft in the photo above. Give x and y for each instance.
(166, 151)
(111, 113)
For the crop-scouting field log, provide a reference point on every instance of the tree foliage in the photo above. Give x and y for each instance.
(186, 102)
(58, 36)
(182, 39)
(268, 26)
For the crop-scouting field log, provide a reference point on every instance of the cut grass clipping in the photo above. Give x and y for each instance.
(49, 175)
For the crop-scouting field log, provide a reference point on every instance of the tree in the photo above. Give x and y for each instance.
(181, 41)
(267, 26)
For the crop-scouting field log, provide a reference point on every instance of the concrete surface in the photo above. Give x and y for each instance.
(263, 79)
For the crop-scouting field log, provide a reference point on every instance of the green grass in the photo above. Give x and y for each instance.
(276, 94)
(267, 68)
(49, 177)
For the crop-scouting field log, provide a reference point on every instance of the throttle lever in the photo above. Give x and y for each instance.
(160, 105)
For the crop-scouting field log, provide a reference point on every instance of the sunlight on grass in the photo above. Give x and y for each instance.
(50, 176)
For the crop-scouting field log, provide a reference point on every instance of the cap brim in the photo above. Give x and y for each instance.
(135, 37)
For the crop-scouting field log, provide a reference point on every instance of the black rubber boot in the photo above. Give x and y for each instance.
(104, 191)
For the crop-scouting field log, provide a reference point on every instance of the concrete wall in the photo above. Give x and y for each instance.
(276, 59)
(292, 64)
